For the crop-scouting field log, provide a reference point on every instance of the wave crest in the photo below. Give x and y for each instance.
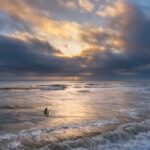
(36, 87)
(131, 136)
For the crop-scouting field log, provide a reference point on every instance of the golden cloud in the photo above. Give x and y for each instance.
(112, 10)
(102, 39)
(58, 33)
(70, 37)
(68, 4)
(86, 5)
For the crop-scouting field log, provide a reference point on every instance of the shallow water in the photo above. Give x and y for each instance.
(83, 115)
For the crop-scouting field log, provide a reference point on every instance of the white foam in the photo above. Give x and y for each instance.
(7, 136)
(53, 87)
(132, 136)
(41, 135)
(130, 112)
(101, 123)
(14, 145)
(139, 142)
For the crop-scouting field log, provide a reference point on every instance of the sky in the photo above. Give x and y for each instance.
(94, 39)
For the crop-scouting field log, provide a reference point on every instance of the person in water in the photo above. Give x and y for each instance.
(46, 111)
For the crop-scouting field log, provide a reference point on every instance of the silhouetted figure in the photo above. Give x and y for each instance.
(46, 111)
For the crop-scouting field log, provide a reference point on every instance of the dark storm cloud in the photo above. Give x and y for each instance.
(35, 56)
(133, 54)
(32, 57)
(21, 56)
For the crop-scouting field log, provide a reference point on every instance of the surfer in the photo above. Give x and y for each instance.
(46, 111)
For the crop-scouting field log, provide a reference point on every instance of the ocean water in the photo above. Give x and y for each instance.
(84, 115)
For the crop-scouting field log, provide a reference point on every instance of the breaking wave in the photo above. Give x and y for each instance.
(131, 136)
(36, 87)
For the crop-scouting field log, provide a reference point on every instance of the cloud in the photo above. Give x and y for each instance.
(86, 5)
(102, 38)
(110, 9)
(122, 47)
(34, 57)
(32, 42)
(22, 57)
(37, 23)
(68, 4)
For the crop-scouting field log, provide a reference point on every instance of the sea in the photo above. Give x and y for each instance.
(83, 115)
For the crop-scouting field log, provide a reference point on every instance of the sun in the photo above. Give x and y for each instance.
(71, 48)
